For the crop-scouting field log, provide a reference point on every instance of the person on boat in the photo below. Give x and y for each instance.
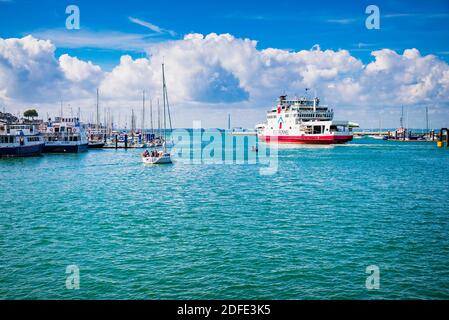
(146, 154)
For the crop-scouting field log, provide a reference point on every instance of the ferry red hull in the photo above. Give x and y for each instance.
(308, 139)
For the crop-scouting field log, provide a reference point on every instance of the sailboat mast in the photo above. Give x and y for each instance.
(132, 123)
(143, 113)
(165, 98)
(151, 115)
(158, 119)
(98, 110)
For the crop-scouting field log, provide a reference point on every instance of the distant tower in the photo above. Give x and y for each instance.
(229, 121)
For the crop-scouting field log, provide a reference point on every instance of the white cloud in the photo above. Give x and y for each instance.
(30, 72)
(78, 71)
(85, 38)
(342, 21)
(408, 78)
(151, 26)
(129, 78)
(28, 68)
(209, 76)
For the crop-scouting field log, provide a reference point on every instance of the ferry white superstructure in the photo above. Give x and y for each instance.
(65, 135)
(304, 120)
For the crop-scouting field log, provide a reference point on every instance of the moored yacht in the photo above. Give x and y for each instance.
(20, 140)
(96, 138)
(65, 135)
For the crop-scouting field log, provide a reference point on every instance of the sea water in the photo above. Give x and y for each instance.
(310, 230)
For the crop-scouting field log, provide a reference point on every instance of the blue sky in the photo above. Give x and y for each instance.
(292, 25)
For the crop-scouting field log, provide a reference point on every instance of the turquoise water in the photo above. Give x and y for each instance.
(226, 231)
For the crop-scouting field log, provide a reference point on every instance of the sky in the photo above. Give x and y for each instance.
(227, 57)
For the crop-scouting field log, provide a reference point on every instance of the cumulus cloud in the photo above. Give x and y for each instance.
(30, 72)
(28, 68)
(79, 71)
(212, 73)
(408, 78)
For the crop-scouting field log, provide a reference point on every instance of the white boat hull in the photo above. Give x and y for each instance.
(165, 159)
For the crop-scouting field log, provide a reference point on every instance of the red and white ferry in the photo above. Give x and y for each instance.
(304, 120)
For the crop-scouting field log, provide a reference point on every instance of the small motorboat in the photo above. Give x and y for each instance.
(376, 137)
(95, 144)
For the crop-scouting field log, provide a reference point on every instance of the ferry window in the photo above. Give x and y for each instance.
(75, 138)
(317, 129)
